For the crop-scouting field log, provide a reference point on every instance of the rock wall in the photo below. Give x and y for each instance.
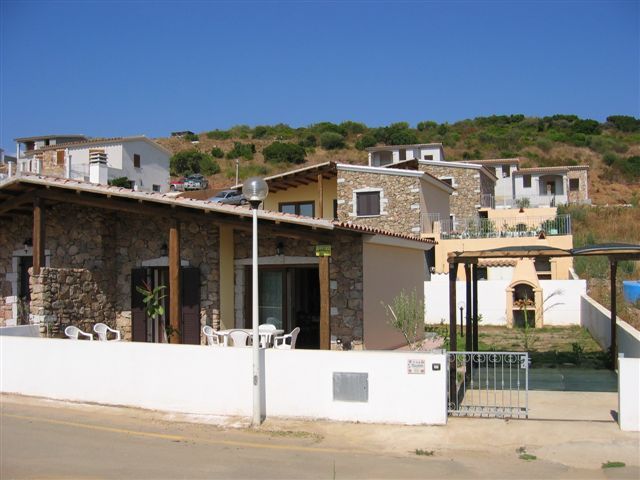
(399, 201)
(68, 296)
(108, 245)
(582, 194)
(465, 201)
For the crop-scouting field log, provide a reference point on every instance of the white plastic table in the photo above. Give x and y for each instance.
(268, 336)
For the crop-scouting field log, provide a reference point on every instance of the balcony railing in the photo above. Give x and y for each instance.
(531, 201)
(503, 227)
(487, 200)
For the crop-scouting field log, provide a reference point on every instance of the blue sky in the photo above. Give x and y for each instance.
(125, 68)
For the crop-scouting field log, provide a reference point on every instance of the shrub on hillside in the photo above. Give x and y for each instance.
(366, 141)
(328, 127)
(331, 141)
(248, 170)
(216, 152)
(191, 137)
(427, 125)
(624, 123)
(279, 152)
(123, 182)
(609, 158)
(353, 128)
(309, 141)
(219, 134)
(208, 166)
(188, 162)
(244, 150)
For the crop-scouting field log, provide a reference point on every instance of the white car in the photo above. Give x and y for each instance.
(229, 197)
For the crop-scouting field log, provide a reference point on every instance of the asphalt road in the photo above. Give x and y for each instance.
(41, 439)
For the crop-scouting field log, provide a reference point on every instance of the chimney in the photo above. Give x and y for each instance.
(98, 170)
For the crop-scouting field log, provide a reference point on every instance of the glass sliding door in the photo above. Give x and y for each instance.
(271, 292)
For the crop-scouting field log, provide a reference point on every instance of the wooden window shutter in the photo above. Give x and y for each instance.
(368, 203)
(190, 327)
(138, 314)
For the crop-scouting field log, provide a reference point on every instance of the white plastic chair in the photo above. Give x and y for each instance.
(266, 331)
(239, 338)
(281, 341)
(213, 339)
(74, 332)
(102, 330)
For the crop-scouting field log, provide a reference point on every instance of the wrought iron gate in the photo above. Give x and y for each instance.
(488, 384)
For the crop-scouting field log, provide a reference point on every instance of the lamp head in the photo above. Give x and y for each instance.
(461, 305)
(255, 190)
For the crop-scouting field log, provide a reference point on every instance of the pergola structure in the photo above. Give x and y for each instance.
(616, 252)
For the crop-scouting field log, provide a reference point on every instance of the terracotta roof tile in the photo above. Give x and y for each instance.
(379, 231)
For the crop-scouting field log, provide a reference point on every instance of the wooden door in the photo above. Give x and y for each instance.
(138, 314)
(190, 325)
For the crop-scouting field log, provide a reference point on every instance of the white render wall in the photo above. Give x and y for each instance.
(206, 380)
(154, 163)
(597, 319)
(562, 308)
(629, 394)
(154, 166)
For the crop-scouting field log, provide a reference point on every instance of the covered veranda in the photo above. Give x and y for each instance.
(616, 252)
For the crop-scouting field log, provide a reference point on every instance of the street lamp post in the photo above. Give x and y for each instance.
(461, 307)
(255, 190)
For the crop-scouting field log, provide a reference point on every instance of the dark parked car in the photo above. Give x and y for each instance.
(229, 197)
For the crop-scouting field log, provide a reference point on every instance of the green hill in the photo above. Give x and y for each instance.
(611, 148)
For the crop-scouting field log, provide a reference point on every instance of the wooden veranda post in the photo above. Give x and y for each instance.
(614, 315)
(38, 235)
(175, 289)
(320, 212)
(325, 328)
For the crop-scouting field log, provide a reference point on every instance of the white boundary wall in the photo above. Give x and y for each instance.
(206, 380)
(561, 309)
(629, 394)
(597, 319)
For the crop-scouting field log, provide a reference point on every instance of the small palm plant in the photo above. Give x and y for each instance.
(154, 308)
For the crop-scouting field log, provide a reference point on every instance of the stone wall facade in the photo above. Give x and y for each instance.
(106, 245)
(68, 296)
(469, 183)
(399, 200)
(582, 194)
(345, 276)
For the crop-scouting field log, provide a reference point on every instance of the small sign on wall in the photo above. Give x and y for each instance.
(415, 367)
(323, 250)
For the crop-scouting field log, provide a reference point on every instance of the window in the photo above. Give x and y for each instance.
(543, 268)
(574, 184)
(368, 203)
(156, 188)
(482, 273)
(403, 154)
(136, 160)
(60, 157)
(306, 209)
(506, 171)
(448, 181)
(428, 157)
(526, 181)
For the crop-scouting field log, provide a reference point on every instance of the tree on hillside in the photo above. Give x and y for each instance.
(624, 123)
(331, 141)
(192, 161)
(284, 152)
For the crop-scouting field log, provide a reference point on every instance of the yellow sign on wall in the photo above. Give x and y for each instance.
(323, 250)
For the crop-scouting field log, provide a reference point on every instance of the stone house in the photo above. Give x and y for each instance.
(401, 199)
(74, 253)
(473, 184)
(551, 186)
(143, 162)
